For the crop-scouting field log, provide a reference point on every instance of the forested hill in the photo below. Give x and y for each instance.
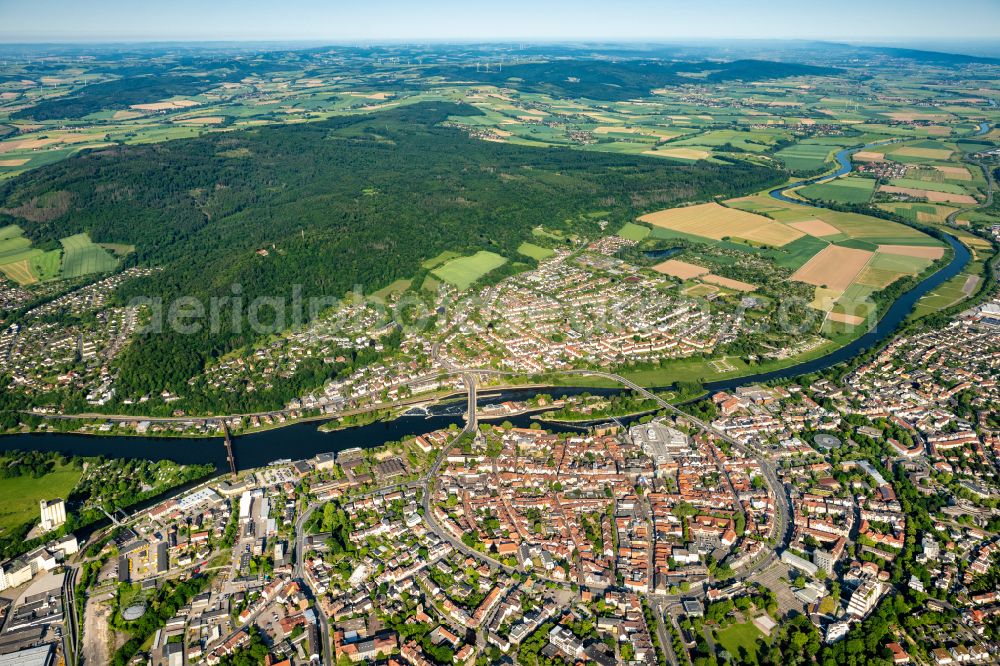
(353, 200)
(626, 79)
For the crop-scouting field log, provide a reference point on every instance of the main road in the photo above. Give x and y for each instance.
(71, 628)
(299, 573)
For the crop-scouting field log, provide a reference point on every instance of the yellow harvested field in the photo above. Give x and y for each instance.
(938, 130)
(19, 272)
(956, 172)
(868, 156)
(24, 144)
(729, 283)
(928, 153)
(163, 106)
(645, 131)
(834, 267)
(817, 228)
(924, 252)
(52, 138)
(126, 115)
(370, 107)
(845, 318)
(711, 220)
(880, 278)
(680, 269)
(202, 120)
(909, 117)
(930, 195)
(825, 299)
(681, 153)
(13, 163)
(601, 119)
(612, 129)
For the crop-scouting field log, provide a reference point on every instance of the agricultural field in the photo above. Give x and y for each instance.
(806, 156)
(841, 190)
(718, 222)
(22, 263)
(462, 272)
(925, 213)
(28, 265)
(636, 232)
(536, 252)
(932, 195)
(844, 257)
(19, 496)
(681, 270)
(81, 256)
(835, 267)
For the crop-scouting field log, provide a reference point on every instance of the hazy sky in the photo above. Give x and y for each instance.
(471, 20)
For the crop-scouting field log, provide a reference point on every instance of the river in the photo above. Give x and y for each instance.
(303, 440)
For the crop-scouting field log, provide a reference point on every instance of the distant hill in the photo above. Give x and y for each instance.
(606, 80)
(932, 56)
(916, 55)
(158, 84)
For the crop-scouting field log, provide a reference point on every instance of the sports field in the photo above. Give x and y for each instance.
(717, 222)
(737, 636)
(81, 257)
(464, 271)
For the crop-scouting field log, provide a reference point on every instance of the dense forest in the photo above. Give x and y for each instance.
(620, 80)
(357, 200)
